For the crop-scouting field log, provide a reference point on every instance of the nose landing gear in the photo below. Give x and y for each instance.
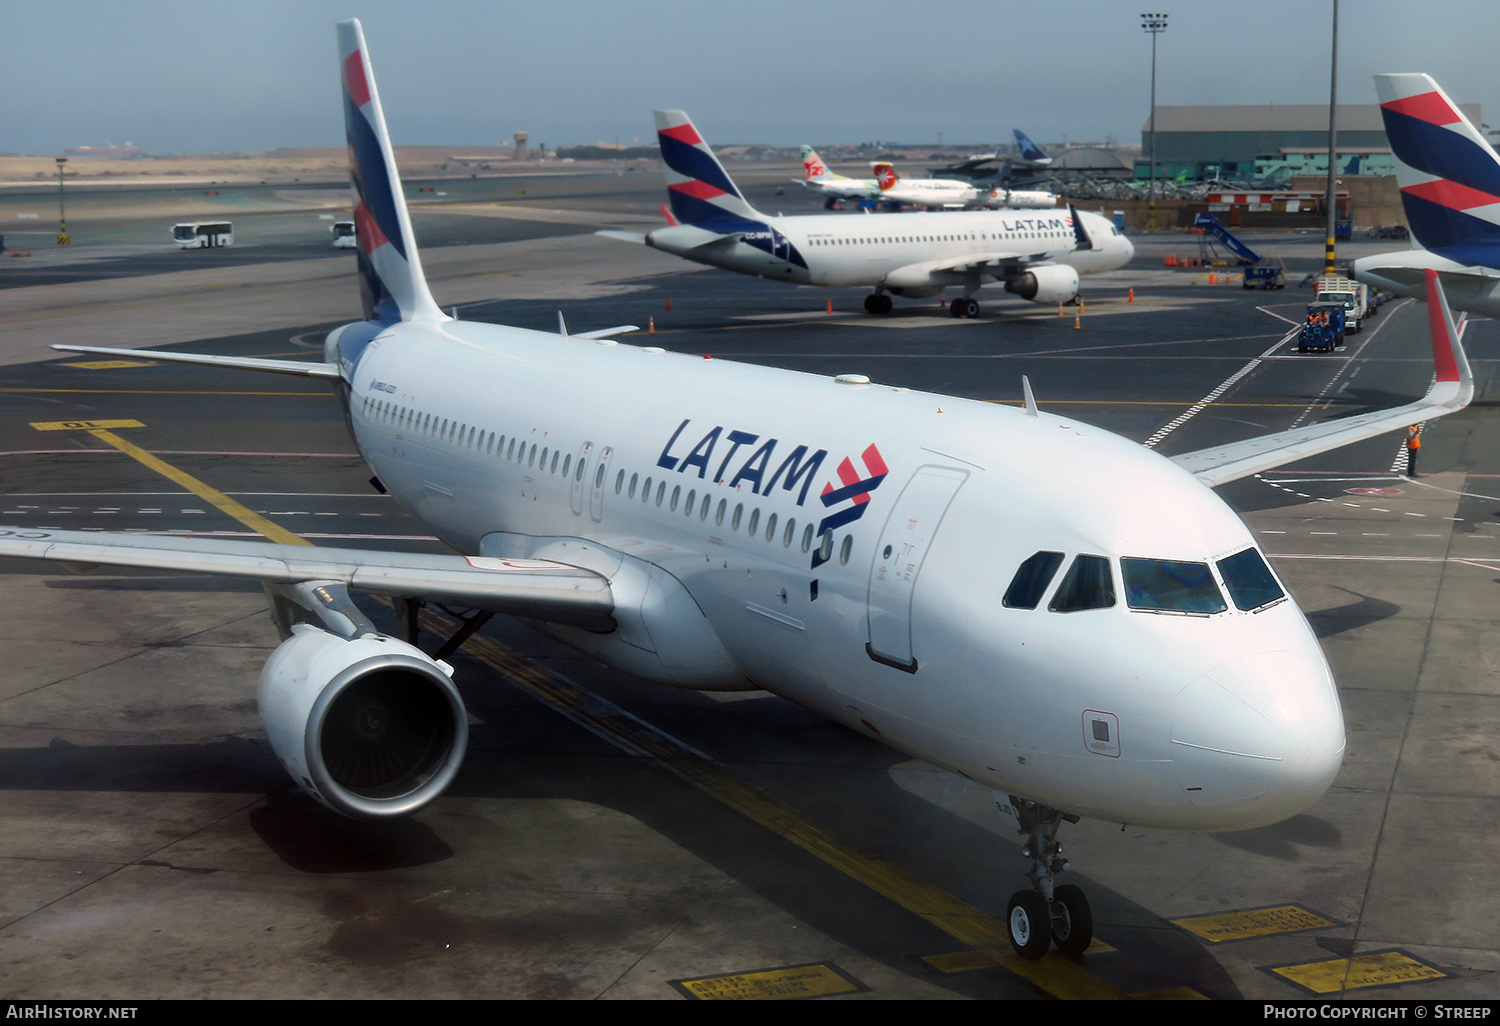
(1046, 914)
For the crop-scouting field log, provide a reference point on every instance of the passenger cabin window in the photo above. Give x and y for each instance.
(1088, 584)
(1249, 581)
(1170, 586)
(1030, 583)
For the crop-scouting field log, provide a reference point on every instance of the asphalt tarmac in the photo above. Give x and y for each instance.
(608, 838)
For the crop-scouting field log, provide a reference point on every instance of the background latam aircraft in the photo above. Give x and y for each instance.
(1450, 189)
(1053, 611)
(1038, 255)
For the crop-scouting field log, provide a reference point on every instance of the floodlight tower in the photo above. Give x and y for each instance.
(1155, 24)
(62, 211)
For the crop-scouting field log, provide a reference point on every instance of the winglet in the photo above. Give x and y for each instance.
(1448, 359)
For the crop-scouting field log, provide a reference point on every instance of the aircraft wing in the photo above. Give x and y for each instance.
(298, 368)
(913, 275)
(532, 588)
(1449, 394)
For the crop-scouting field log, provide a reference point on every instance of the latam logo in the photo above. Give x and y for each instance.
(737, 458)
(853, 495)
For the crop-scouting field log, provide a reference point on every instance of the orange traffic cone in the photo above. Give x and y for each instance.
(651, 326)
(1131, 297)
(1078, 320)
(830, 306)
(669, 302)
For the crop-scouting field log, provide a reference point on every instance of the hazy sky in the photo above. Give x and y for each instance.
(206, 75)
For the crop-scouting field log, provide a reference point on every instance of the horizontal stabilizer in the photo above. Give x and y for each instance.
(532, 588)
(296, 368)
(636, 237)
(1450, 393)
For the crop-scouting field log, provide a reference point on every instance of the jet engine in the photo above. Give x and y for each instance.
(368, 725)
(1054, 283)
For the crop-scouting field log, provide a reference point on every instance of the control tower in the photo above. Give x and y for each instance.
(521, 138)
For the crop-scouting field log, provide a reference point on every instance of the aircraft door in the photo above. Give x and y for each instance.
(580, 471)
(903, 545)
(600, 482)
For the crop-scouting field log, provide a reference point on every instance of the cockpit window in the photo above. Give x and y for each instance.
(1088, 584)
(1249, 580)
(1170, 586)
(1031, 581)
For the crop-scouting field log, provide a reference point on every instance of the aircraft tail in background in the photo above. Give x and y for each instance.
(1031, 153)
(1448, 174)
(699, 190)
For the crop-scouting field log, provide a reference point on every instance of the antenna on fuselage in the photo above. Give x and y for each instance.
(1031, 410)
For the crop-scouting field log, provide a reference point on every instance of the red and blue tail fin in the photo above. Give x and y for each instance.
(1448, 174)
(390, 271)
(698, 187)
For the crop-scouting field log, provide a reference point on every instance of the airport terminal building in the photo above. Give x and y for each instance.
(1201, 142)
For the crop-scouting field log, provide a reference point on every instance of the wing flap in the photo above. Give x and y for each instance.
(532, 588)
(921, 274)
(1451, 392)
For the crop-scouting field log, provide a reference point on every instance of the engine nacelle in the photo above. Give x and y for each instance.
(369, 726)
(1054, 283)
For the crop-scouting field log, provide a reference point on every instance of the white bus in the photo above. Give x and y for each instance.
(343, 235)
(203, 234)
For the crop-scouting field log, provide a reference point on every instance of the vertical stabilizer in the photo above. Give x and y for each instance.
(390, 271)
(814, 166)
(1031, 153)
(1448, 175)
(698, 187)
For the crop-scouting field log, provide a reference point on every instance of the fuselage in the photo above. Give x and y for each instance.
(849, 546)
(849, 249)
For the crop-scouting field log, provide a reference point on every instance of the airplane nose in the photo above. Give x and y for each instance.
(1265, 731)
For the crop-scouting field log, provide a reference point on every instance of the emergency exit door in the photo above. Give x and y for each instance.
(899, 554)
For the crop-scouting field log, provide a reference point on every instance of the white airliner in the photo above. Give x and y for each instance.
(1449, 177)
(1046, 608)
(1038, 255)
(951, 194)
(931, 193)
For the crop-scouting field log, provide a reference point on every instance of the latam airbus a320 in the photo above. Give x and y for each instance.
(1048, 609)
(1038, 255)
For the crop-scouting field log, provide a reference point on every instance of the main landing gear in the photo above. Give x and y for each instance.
(878, 303)
(964, 306)
(1046, 914)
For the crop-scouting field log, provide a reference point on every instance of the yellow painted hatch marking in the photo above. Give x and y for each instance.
(251, 519)
(787, 982)
(1372, 969)
(1253, 922)
(84, 425)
